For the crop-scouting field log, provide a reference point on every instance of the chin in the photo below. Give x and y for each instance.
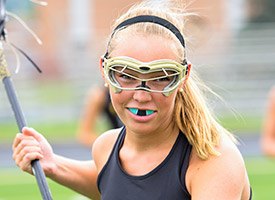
(141, 129)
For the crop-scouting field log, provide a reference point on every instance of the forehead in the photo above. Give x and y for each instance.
(144, 48)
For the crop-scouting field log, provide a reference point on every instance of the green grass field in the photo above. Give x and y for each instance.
(15, 184)
(261, 173)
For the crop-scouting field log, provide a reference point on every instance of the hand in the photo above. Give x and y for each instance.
(31, 145)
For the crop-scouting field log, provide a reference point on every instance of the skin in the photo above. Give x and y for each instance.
(147, 138)
(268, 136)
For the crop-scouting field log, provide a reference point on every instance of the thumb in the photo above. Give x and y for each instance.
(27, 131)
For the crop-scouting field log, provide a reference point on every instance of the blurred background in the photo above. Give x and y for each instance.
(232, 45)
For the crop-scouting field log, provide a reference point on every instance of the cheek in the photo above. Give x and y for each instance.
(165, 104)
(168, 103)
(168, 106)
(119, 99)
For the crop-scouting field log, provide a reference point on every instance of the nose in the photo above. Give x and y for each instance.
(142, 96)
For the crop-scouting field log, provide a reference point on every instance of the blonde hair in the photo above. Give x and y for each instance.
(192, 115)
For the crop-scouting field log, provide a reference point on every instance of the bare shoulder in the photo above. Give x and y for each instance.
(103, 146)
(219, 177)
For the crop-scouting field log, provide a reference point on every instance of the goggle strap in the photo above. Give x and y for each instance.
(153, 19)
(149, 18)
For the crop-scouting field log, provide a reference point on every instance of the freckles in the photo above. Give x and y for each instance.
(168, 102)
(164, 99)
(120, 99)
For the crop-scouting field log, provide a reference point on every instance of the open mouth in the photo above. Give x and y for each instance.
(141, 112)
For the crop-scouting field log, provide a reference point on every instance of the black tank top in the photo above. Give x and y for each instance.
(165, 182)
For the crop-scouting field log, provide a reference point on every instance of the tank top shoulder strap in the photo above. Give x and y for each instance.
(116, 147)
(184, 152)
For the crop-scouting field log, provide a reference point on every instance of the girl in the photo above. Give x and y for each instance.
(171, 147)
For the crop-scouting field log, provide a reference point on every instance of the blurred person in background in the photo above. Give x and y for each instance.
(171, 146)
(98, 104)
(268, 135)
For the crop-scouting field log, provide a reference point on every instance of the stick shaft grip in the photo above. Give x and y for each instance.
(21, 122)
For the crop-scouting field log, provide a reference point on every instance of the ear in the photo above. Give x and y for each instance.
(189, 66)
(101, 66)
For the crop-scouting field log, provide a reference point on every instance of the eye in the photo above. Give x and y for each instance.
(163, 79)
(126, 77)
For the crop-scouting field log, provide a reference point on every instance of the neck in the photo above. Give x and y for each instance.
(151, 140)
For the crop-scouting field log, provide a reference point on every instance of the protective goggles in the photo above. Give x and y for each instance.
(124, 73)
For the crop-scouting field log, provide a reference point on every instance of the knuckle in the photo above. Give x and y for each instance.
(25, 151)
(24, 143)
(29, 156)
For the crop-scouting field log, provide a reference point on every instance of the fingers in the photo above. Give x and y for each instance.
(24, 158)
(24, 139)
(28, 132)
(27, 145)
(16, 140)
(26, 148)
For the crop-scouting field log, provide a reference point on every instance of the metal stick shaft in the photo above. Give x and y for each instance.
(21, 122)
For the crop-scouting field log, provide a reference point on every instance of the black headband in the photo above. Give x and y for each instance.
(152, 19)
